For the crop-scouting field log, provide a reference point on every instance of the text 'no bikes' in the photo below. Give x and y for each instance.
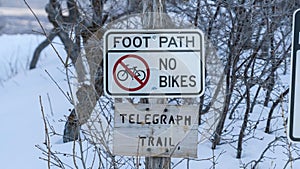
(131, 72)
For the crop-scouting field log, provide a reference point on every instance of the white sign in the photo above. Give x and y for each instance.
(158, 130)
(154, 63)
(294, 109)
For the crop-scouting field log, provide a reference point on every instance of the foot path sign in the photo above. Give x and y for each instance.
(154, 63)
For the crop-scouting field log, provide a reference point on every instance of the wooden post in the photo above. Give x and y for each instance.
(158, 163)
(154, 20)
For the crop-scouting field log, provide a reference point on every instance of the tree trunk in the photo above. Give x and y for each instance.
(228, 93)
(274, 105)
(246, 115)
(244, 125)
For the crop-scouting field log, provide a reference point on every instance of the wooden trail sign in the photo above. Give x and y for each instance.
(155, 130)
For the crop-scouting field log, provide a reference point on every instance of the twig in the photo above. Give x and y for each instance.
(54, 157)
(74, 152)
(213, 159)
(81, 152)
(262, 156)
(50, 105)
(69, 99)
(47, 138)
(71, 96)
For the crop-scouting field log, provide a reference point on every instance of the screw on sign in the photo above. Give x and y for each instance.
(123, 73)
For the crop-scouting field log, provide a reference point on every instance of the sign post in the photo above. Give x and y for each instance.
(294, 109)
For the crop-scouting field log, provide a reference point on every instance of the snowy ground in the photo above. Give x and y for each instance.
(21, 126)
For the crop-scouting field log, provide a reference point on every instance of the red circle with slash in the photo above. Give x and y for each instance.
(141, 83)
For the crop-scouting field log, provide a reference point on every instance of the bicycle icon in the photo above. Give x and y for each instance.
(123, 74)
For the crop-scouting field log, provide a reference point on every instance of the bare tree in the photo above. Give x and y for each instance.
(252, 39)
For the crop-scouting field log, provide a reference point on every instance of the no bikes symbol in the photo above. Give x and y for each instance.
(122, 75)
(128, 77)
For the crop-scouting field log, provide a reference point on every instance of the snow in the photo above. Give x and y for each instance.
(22, 127)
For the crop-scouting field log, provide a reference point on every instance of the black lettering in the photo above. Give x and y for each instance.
(163, 81)
(123, 117)
(171, 120)
(192, 81)
(116, 40)
(131, 118)
(163, 63)
(128, 42)
(155, 119)
(183, 81)
(146, 40)
(162, 40)
(147, 118)
(159, 143)
(179, 118)
(187, 120)
(180, 40)
(174, 64)
(163, 119)
(151, 141)
(174, 81)
(138, 119)
(170, 142)
(139, 44)
(190, 41)
(172, 42)
(143, 139)
(166, 141)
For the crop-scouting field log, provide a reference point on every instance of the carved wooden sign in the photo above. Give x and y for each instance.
(155, 130)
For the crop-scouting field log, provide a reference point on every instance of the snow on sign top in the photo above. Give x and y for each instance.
(294, 107)
(154, 63)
